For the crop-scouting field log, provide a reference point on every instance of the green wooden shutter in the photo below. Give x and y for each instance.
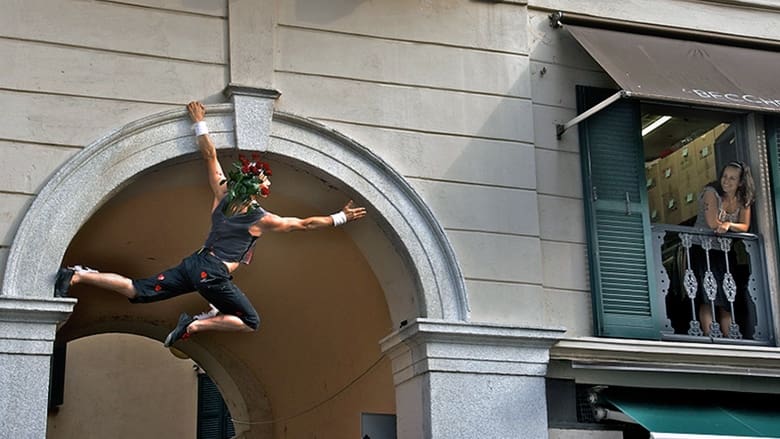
(618, 223)
(773, 141)
(214, 421)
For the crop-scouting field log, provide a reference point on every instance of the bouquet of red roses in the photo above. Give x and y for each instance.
(245, 181)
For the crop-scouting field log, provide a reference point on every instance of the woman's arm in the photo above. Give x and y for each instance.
(711, 209)
(743, 224)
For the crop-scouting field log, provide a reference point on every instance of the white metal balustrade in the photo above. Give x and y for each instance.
(744, 284)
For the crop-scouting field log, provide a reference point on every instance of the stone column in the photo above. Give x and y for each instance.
(27, 329)
(459, 380)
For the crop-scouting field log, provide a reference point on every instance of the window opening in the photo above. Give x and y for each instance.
(685, 150)
(378, 426)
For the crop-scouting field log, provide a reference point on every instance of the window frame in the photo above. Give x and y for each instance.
(756, 142)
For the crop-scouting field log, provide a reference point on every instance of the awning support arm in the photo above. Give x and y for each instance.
(561, 128)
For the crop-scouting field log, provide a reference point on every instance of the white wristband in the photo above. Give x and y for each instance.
(200, 128)
(339, 218)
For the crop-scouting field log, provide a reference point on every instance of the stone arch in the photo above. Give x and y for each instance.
(93, 175)
(244, 396)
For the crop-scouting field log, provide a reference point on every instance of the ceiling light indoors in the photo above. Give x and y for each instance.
(655, 125)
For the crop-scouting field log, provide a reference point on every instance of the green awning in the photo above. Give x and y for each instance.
(700, 415)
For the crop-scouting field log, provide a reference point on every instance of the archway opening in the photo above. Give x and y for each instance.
(101, 398)
(322, 309)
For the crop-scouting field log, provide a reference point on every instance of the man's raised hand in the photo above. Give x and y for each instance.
(196, 110)
(353, 212)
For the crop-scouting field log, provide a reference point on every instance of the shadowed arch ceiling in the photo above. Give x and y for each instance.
(322, 309)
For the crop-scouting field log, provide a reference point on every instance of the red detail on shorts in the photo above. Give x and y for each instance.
(203, 275)
(185, 336)
(160, 276)
(157, 288)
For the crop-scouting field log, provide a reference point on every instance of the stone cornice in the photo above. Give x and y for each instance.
(28, 325)
(477, 333)
(244, 90)
(428, 345)
(34, 309)
(655, 356)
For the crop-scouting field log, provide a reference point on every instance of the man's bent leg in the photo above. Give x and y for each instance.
(231, 302)
(188, 326)
(180, 331)
(108, 281)
(221, 322)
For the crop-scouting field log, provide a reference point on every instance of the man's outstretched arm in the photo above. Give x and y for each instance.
(274, 223)
(209, 152)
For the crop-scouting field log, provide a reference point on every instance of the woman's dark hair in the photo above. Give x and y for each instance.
(746, 191)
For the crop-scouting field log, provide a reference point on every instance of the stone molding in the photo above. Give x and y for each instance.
(609, 354)
(28, 325)
(429, 345)
(94, 174)
(245, 90)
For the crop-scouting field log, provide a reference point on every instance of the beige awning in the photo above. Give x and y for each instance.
(668, 69)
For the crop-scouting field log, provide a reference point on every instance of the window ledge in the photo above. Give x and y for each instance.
(657, 356)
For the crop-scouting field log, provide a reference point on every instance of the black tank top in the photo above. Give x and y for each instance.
(229, 238)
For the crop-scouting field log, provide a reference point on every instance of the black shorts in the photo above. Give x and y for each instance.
(206, 274)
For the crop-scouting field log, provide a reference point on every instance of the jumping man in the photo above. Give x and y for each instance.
(237, 220)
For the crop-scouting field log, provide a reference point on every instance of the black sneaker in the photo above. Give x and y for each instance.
(62, 282)
(180, 331)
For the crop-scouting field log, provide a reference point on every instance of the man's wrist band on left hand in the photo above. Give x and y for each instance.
(200, 128)
(339, 218)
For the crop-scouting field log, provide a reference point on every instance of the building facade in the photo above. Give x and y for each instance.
(531, 171)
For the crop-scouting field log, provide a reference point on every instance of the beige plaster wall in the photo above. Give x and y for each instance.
(558, 64)
(125, 386)
(440, 90)
(450, 94)
(74, 71)
(755, 18)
